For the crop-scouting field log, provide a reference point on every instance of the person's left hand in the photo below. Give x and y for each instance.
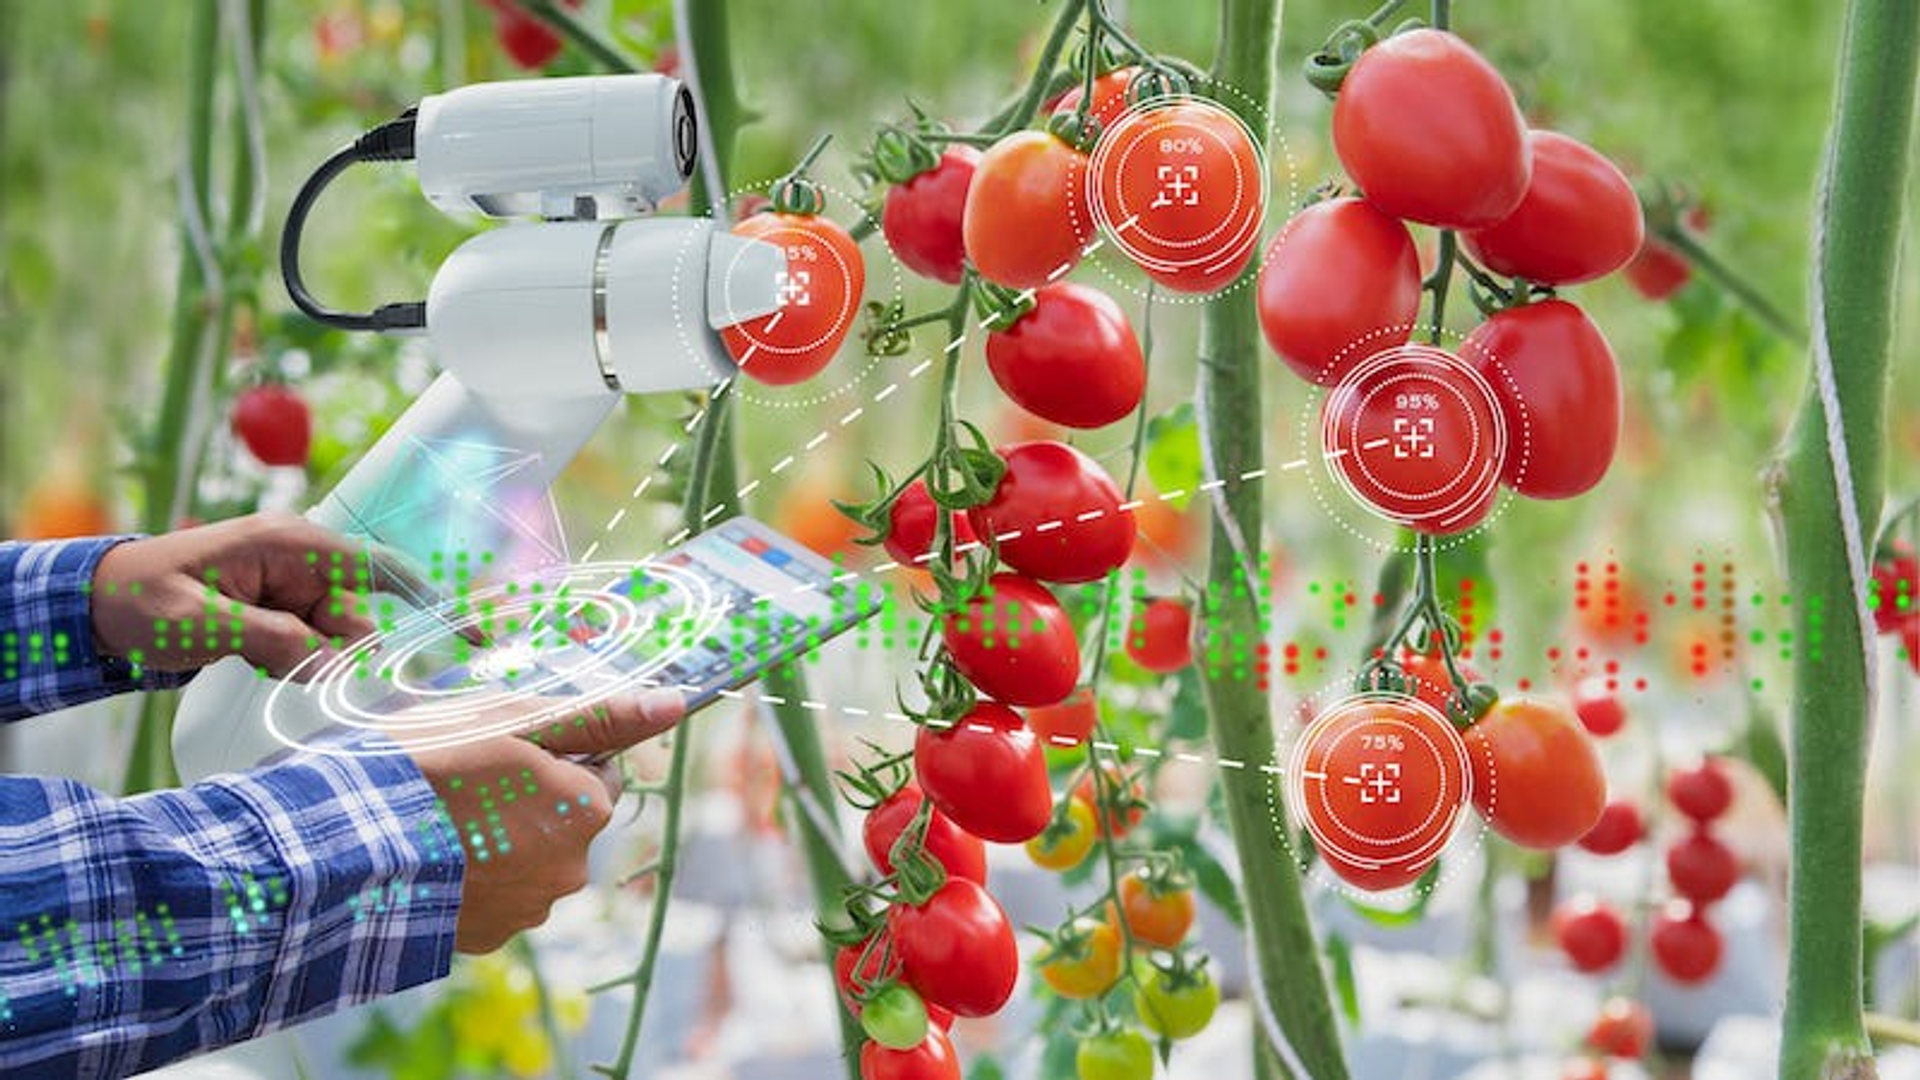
(274, 588)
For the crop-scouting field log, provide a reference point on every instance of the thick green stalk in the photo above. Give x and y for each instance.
(1819, 484)
(150, 764)
(1287, 973)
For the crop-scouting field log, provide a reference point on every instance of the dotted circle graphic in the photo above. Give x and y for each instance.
(1133, 144)
(516, 683)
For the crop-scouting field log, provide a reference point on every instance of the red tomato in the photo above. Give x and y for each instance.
(1428, 679)
(1119, 819)
(1536, 775)
(911, 521)
(526, 40)
(1623, 1029)
(1159, 919)
(1382, 780)
(1413, 434)
(1073, 359)
(957, 949)
(847, 957)
(1340, 283)
(1159, 636)
(1109, 96)
(1702, 868)
(1685, 945)
(959, 851)
(1619, 828)
(274, 423)
(1056, 515)
(1559, 389)
(1910, 642)
(1658, 271)
(987, 773)
(1578, 221)
(1179, 188)
(922, 217)
(1591, 933)
(1027, 219)
(1702, 792)
(933, 1059)
(819, 299)
(1430, 132)
(1069, 723)
(1015, 643)
(1598, 708)
(1896, 589)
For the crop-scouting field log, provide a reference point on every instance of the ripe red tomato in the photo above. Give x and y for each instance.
(819, 299)
(1414, 434)
(1579, 219)
(1069, 723)
(274, 423)
(1619, 828)
(1073, 359)
(911, 521)
(1381, 783)
(1598, 708)
(525, 39)
(1027, 220)
(1109, 96)
(1118, 820)
(1160, 635)
(1559, 389)
(933, 1059)
(1430, 131)
(922, 217)
(987, 773)
(1658, 271)
(1896, 589)
(957, 949)
(847, 957)
(959, 851)
(1536, 775)
(1591, 933)
(1910, 642)
(1685, 945)
(1703, 791)
(1623, 1029)
(1427, 679)
(1702, 868)
(1340, 282)
(1158, 916)
(1015, 643)
(1179, 189)
(1056, 515)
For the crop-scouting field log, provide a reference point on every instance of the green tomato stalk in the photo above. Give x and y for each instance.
(1826, 493)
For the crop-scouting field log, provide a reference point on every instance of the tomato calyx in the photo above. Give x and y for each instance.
(950, 695)
(917, 875)
(873, 515)
(1080, 130)
(899, 154)
(796, 193)
(1326, 68)
(877, 780)
(999, 307)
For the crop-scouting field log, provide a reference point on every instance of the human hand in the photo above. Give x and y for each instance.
(525, 816)
(274, 588)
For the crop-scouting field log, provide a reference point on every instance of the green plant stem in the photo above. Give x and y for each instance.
(189, 349)
(1286, 975)
(1016, 116)
(1857, 228)
(1737, 286)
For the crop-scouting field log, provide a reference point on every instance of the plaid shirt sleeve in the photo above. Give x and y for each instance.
(47, 659)
(137, 931)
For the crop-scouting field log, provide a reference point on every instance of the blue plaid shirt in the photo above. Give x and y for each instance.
(137, 931)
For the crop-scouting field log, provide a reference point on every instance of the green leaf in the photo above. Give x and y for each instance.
(1345, 987)
(1056, 1057)
(1760, 745)
(1173, 454)
(1423, 891)
(986, 1067)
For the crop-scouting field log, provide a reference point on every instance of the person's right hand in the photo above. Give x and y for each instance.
(525, 816)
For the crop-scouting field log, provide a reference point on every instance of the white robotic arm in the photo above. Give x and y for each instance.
(540, 327)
